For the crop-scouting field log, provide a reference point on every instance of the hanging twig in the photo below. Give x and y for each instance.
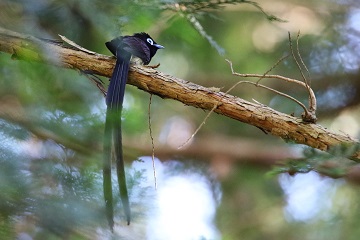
(199, 127)
(96, 80)
(152, 142)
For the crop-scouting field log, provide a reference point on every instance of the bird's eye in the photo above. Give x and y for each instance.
(149, 40)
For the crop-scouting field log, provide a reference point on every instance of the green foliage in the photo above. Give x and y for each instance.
(335, 163)
(13, 184)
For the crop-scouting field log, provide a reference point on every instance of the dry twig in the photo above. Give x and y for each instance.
(152, 142)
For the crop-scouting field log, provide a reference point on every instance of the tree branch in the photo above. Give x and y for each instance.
(150, 80)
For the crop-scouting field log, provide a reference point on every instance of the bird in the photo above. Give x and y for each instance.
(124, 48)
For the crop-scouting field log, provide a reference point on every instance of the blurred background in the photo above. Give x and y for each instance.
(231, 181)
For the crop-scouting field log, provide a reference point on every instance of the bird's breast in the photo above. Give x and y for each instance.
(136, 60)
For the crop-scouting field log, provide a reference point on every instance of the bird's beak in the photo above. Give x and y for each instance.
(158, 46)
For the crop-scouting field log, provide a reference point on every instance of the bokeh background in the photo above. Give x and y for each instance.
(231, 181)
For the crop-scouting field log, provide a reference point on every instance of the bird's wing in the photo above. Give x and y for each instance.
(138, 48)
(115, 44)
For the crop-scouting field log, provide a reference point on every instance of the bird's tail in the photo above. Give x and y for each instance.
(113, 139)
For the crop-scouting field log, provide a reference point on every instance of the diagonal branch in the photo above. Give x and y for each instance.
(150, 80)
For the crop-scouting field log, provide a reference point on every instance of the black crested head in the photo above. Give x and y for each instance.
(140, 45)
(153, 46)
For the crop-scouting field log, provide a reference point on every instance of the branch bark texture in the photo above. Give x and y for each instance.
(269, 120)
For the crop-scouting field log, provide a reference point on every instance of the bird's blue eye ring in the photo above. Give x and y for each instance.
(149, 40)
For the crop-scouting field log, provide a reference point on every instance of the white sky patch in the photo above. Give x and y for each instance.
(184, 206)
(307, 195)
(354, 19)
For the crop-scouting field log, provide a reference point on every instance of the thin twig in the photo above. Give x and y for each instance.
(301, 60)
(96, 80)
(270, 76)
(309, 116)
(296, 61)
(202, 6)
(73, 44)
(275, 65)
(152, 142)
(261, 75)
(277, 92)
(271, 89)
(196, 131)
